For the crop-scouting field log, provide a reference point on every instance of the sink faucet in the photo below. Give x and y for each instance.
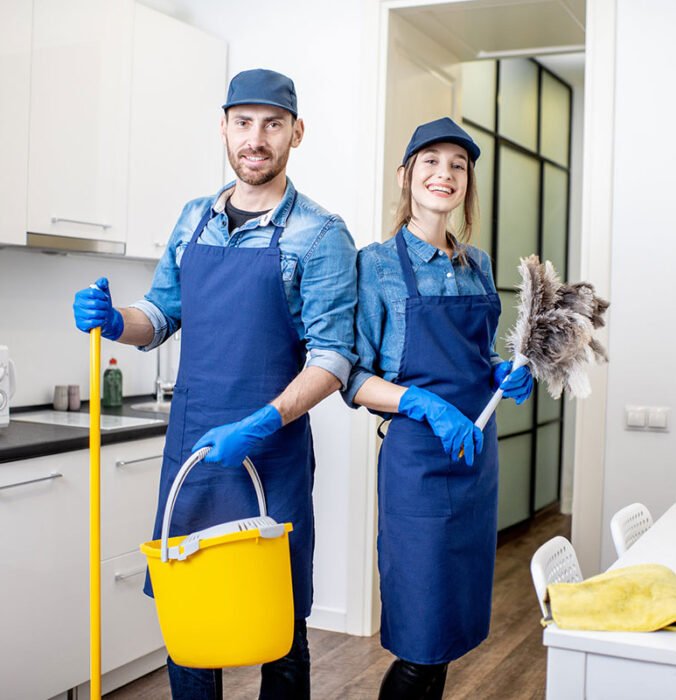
(161, 388)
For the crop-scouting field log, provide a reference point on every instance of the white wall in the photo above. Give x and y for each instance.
(36, 321)
(642, 466)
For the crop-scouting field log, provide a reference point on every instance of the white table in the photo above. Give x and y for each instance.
(618, 665)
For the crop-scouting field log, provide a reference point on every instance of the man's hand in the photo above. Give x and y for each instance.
(232, 442)
(93, 308)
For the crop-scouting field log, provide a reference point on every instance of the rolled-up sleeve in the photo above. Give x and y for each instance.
(328, 289)
(369, 322)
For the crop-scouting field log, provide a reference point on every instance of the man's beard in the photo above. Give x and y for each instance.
(262, 175)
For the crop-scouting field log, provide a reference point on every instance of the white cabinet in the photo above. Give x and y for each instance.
(15, 49)
(109, 123)
(129, 483)
(129, 626)
(79, 118)
(44, 580)
(176, 152)
(44, 572)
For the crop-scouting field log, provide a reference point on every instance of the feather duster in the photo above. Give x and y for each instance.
(553, 334)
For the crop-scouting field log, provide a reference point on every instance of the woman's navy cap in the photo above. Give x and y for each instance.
(262, 87)
(442, 130)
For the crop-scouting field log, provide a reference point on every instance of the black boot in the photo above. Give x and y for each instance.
(407, 681)
(288, 678)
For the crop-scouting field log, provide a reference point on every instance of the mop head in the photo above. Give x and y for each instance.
(554, 328)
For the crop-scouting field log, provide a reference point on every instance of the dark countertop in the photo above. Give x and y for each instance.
(26, 440)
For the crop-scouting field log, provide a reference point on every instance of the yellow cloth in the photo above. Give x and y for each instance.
(638, 598)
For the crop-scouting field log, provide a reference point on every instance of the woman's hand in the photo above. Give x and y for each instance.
(518, 385)
(454, 429)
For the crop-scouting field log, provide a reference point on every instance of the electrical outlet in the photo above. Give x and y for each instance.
(653, 418)
(635, 417)
(658, 418)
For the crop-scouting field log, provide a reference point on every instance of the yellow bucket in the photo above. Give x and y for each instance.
(224, 594)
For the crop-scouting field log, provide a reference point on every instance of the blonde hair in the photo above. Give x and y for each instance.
(463, 219)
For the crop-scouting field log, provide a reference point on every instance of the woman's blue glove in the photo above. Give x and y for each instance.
(455, 430)
(232, 442)
(93, 307)
(519, 384)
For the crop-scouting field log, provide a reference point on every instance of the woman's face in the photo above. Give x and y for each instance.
(439, 177)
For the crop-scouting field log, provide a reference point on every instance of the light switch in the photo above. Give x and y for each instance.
(658, 418)
(635, 417)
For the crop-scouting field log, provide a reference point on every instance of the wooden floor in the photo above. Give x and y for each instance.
(510, 665)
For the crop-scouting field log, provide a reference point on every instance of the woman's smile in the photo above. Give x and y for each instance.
(438, 189)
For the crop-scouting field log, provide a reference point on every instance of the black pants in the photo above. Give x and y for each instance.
(407, 681)
(287, 678)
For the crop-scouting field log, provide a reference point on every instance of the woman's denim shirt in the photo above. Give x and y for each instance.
(381, 311)
(318, 260)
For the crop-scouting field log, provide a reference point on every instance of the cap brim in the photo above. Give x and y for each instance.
(472, 149)
(227, 105)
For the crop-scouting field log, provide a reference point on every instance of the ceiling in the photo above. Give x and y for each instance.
(487, 28)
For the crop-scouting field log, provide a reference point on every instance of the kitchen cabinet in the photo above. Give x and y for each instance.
(44, 518)
(175, 152)
(44, 585)
(79, 118)
(15, 49)
(110, 123)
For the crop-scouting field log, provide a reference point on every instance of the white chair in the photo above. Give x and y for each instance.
(628, 524)
(554, 562)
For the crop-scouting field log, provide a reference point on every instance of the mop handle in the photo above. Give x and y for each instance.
(95, 513)
(183, 472)
(480, 422)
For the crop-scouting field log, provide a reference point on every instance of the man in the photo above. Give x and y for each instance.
(257, 277)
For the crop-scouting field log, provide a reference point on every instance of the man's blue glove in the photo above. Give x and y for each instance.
(518, 386)
(232, 442)
(93, 307)
(455, 430)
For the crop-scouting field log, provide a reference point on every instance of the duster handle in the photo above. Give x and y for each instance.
(480, 422)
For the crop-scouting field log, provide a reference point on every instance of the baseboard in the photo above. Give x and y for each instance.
(331, 619)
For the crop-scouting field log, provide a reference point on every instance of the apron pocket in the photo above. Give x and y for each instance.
(414, 474)
(174, 441)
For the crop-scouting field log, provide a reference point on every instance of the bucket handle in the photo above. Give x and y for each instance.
(183, 472)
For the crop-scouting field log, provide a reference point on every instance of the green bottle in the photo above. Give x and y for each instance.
(112, 385)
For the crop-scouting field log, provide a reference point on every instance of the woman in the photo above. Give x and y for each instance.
(426, 323)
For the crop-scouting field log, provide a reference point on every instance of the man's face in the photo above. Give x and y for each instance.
(258, 139)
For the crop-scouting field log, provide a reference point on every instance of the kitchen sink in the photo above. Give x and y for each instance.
(152, 406)
(73, 419)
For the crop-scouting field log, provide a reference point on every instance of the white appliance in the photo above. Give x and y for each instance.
(7, 384)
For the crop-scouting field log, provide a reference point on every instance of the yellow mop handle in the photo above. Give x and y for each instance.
(95, 513)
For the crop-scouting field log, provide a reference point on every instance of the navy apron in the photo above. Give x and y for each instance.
(438, 518)
(239, 350)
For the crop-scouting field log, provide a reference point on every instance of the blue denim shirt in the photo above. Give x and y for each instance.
(318, 259)
(381, 311)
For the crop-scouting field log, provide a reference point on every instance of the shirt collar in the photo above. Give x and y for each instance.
(424, 250)
(277, 216)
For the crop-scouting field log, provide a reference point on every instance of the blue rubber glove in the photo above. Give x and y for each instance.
(454, 429)
(517, 386)
(93, 307)
(230, 443)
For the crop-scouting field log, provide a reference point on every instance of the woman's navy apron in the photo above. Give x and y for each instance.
(239, 350)
(438, 518)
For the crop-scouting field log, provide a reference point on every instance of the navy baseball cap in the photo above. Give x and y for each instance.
(262, 87)
(442, 130)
